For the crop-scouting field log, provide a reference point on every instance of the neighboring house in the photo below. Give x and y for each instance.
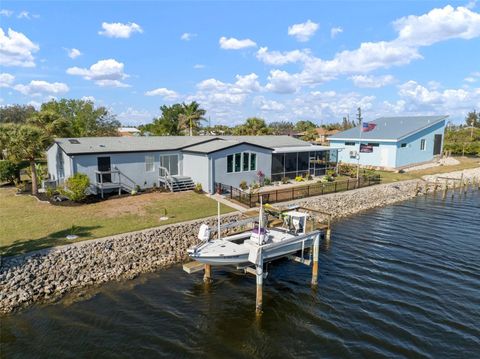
(395, 142)
(114, 163)
(129, 131)
(324, 134)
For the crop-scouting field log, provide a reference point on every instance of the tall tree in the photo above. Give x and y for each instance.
(303, 126)
(191, 117)
(16, 113)
(84, 119)
(281, 128)
(51, 123)
(24, 142)
(253, 126)
(167, 123)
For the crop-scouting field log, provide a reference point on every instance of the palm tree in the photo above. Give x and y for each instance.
(25, 142)
(191, 117)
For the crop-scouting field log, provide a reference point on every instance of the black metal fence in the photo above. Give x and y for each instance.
(296, 192)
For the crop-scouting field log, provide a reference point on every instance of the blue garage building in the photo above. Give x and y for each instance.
(393, 143)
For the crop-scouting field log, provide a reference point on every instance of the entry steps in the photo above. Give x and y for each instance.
(181, 183)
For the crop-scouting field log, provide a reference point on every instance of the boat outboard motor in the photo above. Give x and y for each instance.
(204, 233)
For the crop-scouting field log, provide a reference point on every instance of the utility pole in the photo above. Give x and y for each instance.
(359, 118)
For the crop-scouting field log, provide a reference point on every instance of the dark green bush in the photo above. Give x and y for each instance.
(9, 171)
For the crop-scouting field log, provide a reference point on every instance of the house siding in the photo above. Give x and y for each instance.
(59, 164)
(196, 166)
(412, 153)
(382, 156)
(131, 165)
(219, 166)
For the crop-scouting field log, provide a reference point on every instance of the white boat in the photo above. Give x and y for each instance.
(256, 246)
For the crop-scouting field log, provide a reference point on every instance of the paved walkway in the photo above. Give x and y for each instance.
(222, 199)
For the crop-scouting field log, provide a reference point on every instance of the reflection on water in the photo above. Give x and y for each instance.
(400, 281)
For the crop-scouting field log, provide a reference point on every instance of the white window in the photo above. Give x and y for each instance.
(241, 162)
(423, 144)
(170, 162)
(149, 163)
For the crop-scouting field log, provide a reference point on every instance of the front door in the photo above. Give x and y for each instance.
(103, 164)
(437, 145)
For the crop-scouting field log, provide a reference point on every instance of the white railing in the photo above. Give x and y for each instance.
(165, 177)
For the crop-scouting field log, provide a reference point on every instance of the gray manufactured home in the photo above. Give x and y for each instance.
(177, 162)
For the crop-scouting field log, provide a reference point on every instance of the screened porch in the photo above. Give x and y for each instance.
(293, 164)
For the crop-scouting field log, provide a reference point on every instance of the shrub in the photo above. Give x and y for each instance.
(9, 171)
(267, 181)
(299, 179)
(76, 187)
(243, 185)
(50, 192)
(331, 173)
(254, 185)
(285, 180)
(198, 188)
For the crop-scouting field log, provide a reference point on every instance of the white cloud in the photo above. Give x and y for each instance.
(420, 99)
(6, 80)
(38, 87)
(198, 66)
(5, 12)
(282, 82)
(167, 94)
(16, 49)
(132, 116)
(119, 30)
(282, 58)
(247, 83)
(268, 105)
(187, 36)
(334, 31)
(438, 25)
(105, 73)
(372, 81)
(473, 77)
(88, 98)
(304, 31)
(26, 15)
(73, 53)
(413, 33)
(235, 44)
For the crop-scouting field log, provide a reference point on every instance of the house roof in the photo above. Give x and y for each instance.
(217, 145)
(322, 131)
(391, 128)
(90, 145)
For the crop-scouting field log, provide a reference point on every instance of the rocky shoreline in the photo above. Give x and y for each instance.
(49, 274)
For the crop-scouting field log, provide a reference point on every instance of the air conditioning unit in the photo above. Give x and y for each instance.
(49, 184)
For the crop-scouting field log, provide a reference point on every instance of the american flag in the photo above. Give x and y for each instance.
(368, 126)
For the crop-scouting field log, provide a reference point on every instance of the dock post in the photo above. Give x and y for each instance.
(315, 260)
(435, 186)
(207, 277)
(259, 299)
(445, 190)
(453, 190)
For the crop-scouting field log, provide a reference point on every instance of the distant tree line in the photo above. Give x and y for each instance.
(464, 139)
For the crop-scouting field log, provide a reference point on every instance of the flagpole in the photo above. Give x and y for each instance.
(358, 154)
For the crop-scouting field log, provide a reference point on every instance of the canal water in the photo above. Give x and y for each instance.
(399, 282)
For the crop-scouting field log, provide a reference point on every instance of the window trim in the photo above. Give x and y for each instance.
(241, 159)
(423, 143)
(152, 163)
(252, 154)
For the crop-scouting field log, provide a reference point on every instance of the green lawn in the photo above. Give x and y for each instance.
(465, 163)
(26, 224)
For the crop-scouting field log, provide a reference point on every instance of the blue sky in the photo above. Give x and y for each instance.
(290, 61)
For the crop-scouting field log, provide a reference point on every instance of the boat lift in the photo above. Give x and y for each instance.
(292, 217)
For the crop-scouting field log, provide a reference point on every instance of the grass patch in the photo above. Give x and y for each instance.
(30, 225)
(465, 163)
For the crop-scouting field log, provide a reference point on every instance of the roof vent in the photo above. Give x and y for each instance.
(101, 145)
(74, 141)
